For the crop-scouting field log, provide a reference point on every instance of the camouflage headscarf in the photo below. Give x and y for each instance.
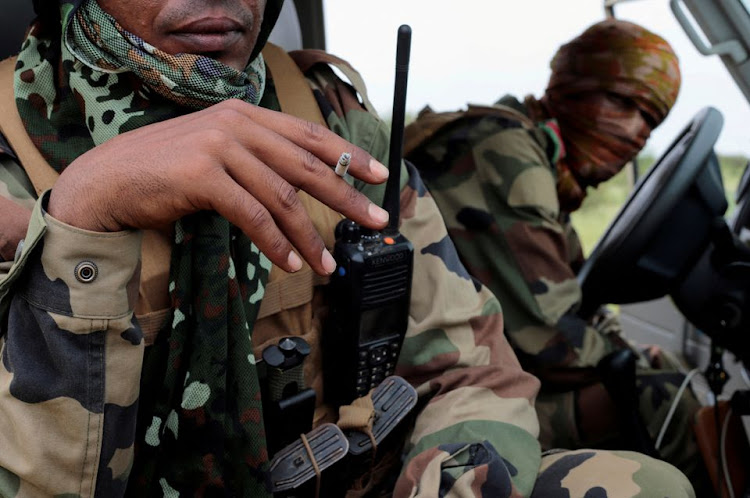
(609, 88)
(200, 429)
(97, 56)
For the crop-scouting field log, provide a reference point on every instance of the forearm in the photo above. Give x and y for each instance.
(71, 356)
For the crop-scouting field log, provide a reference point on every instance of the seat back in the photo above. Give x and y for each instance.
(15, 16)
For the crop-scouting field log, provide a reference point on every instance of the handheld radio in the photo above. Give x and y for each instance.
(371, 287)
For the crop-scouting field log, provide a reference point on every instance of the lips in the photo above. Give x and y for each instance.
(207, 35)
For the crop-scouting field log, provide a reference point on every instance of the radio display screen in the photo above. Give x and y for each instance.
(381, 322)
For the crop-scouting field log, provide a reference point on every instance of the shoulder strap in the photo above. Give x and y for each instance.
(307, 58)
(289, 290)
(429, 122)
(40, 173)
(294, 93)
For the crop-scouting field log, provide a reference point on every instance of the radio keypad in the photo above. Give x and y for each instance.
(374, 365)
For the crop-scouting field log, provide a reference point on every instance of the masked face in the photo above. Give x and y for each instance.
(606, 132)
(225, 30)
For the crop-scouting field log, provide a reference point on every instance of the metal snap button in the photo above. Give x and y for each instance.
(86, 272)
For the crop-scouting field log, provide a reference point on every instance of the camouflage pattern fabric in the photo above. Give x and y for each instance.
(495, 185)
(112, 83)
(188, 80)
(14, 186)
(475, 434)
(581, 474)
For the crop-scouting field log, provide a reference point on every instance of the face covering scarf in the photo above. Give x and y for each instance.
(609, 87)
(200, 428)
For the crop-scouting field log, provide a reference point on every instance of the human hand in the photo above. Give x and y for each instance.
(243, 161)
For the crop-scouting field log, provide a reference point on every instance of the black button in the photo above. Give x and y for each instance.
(378, 355)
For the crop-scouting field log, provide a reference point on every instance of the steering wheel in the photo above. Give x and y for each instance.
(664, 224)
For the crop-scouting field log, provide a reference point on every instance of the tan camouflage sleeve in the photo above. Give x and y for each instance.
(70, 362)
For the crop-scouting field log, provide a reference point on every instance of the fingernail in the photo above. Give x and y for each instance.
(377, 213)
(293, 262)
(378, 169)
(329, 264)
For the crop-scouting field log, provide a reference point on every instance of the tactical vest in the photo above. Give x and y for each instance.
(293, 303)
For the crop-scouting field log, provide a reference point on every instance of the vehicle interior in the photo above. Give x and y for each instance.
(670, 240)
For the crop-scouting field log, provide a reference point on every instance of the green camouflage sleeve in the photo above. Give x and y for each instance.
(512, 237)
(494, 182)
(476, 434)
(70, 362)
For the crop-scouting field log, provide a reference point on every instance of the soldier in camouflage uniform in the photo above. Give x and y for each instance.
(506, 178)
(104, 393)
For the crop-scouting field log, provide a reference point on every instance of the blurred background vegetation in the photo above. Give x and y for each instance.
(602, 204)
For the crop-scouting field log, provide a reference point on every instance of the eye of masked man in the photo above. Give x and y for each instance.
(191, 147)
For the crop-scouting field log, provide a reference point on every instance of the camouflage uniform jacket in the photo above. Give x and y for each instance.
(513, 237)
(493, 176)
(71, 352)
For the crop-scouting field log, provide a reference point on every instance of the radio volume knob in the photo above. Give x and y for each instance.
(348, 231)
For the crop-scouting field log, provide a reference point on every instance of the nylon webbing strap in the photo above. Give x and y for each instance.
(39, 171)
(294, 93)
(288, 290)
(305, 59)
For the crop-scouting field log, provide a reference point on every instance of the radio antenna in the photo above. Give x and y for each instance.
(391, 200)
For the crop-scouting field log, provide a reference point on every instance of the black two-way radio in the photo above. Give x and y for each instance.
(371, 288)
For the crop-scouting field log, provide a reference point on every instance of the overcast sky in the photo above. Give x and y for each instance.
(478, 50)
